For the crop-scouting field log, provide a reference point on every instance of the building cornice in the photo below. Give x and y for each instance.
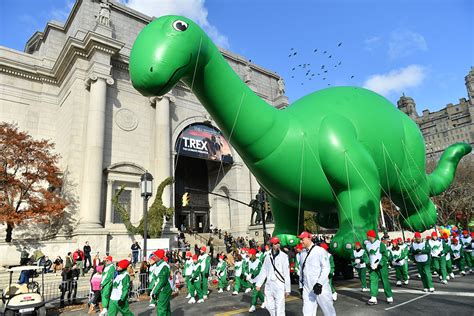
(73, 49)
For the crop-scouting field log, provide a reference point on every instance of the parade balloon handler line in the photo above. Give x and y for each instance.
(224, 196)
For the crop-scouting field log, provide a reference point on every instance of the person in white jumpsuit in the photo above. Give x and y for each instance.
(276, 270)
(314, 271)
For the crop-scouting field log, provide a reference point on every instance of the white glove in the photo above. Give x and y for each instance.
(249, 277)
(374, 266)
(357, 260)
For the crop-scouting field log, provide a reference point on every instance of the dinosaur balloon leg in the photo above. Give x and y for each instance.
(286, 221)
(357, 188)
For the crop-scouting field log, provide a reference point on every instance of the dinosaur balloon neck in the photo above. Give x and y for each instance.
(243, 117)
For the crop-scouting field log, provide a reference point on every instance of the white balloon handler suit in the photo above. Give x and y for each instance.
(276, 270)
(314, 269)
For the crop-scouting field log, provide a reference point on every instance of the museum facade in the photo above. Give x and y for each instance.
(71, 85)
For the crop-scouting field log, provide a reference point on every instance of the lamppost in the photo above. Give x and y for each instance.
(146, 185)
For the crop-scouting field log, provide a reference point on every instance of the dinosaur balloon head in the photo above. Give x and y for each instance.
(165, 51)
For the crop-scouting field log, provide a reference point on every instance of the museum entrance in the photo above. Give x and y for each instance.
(192, 177)
(203, 156)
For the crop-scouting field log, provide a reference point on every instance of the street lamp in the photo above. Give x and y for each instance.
(146, 188)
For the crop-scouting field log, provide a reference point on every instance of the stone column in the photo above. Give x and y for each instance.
(163, 149)
(108, 204)
(94, 149)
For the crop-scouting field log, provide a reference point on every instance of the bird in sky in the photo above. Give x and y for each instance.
(325, 71)
(339, 63)
(315, 50)
(322, 67)
(339, 45)
(325, 52)
(294, 54)
(292, 48)
(352, 77)
(330, 56)
(324, 78)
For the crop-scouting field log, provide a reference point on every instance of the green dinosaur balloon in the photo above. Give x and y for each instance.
(335, 151)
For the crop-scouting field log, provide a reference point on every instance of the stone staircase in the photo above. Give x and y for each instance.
(201, 239)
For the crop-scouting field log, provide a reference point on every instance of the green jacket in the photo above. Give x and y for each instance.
(363, 259)
(255, 271)
(162, 282)
(120, 287)
(222, 269)
(107, 275)
(382, 249)
(457, 253)
(196, 275)
(205, 263)
(426, 250)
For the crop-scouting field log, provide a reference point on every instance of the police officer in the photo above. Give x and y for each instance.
(314, 280)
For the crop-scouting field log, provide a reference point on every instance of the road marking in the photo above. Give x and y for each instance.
(413, 299)
(409, 291)
(243, 310)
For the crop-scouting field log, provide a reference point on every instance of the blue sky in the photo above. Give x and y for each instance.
(419, 47)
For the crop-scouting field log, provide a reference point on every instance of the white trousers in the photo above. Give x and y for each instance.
(311, 301)
(275, 298)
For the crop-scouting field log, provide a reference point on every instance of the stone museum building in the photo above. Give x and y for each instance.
(452, 124)
(71, 85)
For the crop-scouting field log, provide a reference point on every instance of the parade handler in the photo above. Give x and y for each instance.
(378, 259)
(161, 291)
(420, 250)
(447, 255)
(106, 283)
(188, 270)
(359, 262)
(314, 281)
(221, 272)
(276, 270)
(457, 255)
(331, 271)
(196, 282)
(121, 286)
(466, 242)
(438, 257)
(255, 266)
(398, 258)
(205, 262)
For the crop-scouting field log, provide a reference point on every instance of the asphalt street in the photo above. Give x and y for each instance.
(455, 298)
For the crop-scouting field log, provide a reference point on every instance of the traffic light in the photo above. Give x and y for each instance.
(186, 199)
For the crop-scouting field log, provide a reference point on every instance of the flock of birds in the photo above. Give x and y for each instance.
(312, 72)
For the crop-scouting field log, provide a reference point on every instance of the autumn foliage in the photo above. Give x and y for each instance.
(29, 179)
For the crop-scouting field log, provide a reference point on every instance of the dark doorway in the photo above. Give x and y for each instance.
(192, 173)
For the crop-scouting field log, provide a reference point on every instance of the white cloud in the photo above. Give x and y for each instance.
(61, 14)
(193, 9)
(396, 81)
(372, 42)
(404, 43)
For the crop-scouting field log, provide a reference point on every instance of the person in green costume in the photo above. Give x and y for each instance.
(457, 255)
(161, 291)
(195, 281)
(404, 247)
(345, 144)
(239, 275)
(255, 266)
(447, 254)
(360, 259)
(120, 290)
(221, 272)
(420, 251)
(465, 240)
(331, 272)
(398, 257)
(205, 262)
(152, 260)
(378, 263)
(106, 283)
(188, 271)
(438, 257)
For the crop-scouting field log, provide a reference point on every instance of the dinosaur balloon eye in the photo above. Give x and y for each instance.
(180, 26)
